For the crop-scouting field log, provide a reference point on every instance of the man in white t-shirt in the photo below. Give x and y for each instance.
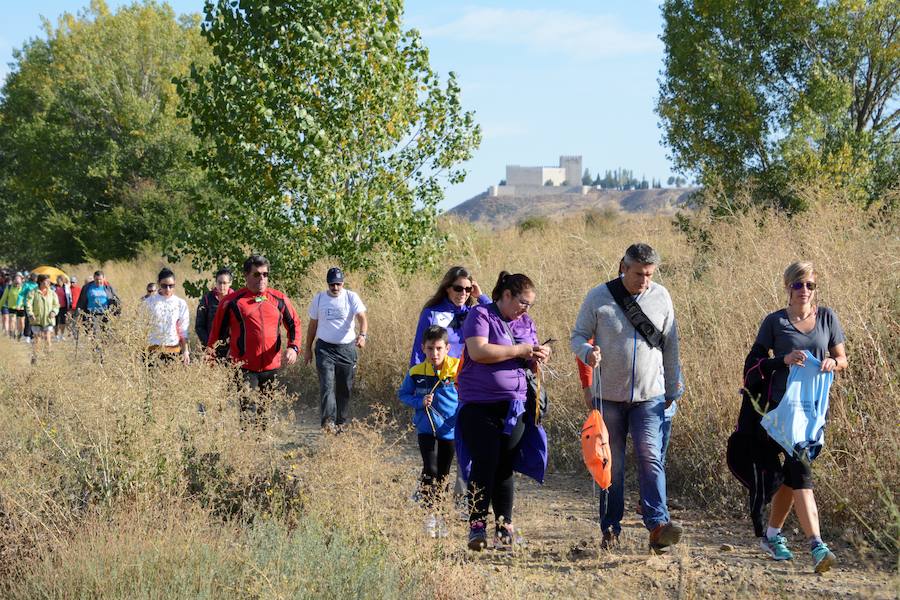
(333, 316)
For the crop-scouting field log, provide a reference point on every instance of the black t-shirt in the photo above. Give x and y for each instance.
(779, 335)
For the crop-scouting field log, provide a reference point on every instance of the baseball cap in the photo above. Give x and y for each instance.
(335, 275)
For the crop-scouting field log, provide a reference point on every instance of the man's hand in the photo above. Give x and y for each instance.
(290, 356)
(307, 355)
(593, 359)
(360, 341)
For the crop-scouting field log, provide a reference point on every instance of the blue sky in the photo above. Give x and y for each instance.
(544, 78)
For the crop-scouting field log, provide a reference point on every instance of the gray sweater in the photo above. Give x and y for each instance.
(631, 369)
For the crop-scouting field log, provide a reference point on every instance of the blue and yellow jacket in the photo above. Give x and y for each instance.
(419, 382)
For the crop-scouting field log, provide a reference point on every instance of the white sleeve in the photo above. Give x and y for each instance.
(356, 304)
(314, 307)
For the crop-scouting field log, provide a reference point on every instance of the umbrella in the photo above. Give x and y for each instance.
(53, 272)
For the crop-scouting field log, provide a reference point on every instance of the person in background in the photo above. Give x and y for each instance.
(75, 290)
(96, 303)
(640, 381)
(27, 287)
(41, 306)
(169, 323)
(5, 280)
(429, 388)
(456, 294)
(207, 307)
(248, 321)
(152, 290)
(64, 294)
(13, 317)
(492, 427)
(333, 315)
(787, 334)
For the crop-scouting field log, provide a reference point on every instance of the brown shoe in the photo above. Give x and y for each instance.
(665, 535)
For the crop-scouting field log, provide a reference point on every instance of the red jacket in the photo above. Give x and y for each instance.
(251, 326)
(76, 292)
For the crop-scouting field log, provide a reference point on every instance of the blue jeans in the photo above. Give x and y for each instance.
(645, 421)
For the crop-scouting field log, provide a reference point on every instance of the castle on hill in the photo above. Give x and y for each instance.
(542, 181)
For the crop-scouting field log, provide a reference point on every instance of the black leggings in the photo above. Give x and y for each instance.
(491, 480)
(437, 456)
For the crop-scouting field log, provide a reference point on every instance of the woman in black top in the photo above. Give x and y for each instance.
(209, 304)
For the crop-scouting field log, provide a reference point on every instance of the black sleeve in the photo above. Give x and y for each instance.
(201, 326)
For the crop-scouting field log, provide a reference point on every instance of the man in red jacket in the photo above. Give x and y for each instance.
(248, 321)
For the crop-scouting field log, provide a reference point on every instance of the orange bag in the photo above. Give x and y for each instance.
(595, 449)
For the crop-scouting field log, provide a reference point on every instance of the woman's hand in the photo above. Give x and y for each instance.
(795, 357)
(829, 365)
(476, 289)
(426, 400)
(541, 353)
(593, 358)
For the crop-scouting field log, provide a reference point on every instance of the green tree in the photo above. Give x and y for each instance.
(94, 162)
(586, 178)
(328, 133)
(782, 94)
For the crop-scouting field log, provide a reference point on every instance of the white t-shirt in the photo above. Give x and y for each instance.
(336, 316)
(169, 320)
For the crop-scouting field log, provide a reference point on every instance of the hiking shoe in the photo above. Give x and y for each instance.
(823, 558)
(506, 536)
(330, 427)
(477, 536)
(431, 526)
(776, 547)
(610, 540)
(665, 535)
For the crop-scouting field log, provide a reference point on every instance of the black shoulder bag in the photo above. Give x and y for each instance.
(635, 315)
(531, 394)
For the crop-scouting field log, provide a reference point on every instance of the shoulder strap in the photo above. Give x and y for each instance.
(635, 314)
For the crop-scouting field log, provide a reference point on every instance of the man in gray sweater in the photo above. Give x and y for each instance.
(640, 380)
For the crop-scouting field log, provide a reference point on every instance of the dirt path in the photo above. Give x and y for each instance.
(717, 558)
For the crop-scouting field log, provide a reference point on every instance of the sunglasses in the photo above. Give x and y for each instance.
(260, 274)
(799, 285)
(459, 288)
(166, 286)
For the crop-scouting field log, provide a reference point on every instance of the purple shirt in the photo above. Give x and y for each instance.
(481, 383)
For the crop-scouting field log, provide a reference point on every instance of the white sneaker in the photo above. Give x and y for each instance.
(431, 526)
(442, 530)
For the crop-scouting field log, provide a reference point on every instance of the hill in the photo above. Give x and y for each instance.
(500, 211)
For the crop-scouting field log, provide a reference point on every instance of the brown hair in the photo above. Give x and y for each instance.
(516, 284)
(449, 277)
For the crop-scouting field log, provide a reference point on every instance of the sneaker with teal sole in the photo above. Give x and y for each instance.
(776, 547)
(823, 558)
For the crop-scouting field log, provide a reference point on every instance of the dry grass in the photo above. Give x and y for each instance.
(113, 460)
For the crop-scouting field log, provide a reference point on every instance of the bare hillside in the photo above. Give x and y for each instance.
(502, 211)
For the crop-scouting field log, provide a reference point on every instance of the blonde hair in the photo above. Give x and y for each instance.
(798, 270)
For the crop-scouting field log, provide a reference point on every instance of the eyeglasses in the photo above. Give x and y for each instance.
(166, 286)
(459, 288)
(523, 304)
(798, 285)
(260, 274)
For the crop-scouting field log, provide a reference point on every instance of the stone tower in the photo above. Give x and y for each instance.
(572, 165)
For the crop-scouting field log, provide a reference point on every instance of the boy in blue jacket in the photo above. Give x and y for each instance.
(430, 389)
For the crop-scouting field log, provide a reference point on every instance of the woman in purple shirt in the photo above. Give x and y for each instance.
(492, 430)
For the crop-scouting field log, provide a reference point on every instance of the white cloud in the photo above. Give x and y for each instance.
(580, 36)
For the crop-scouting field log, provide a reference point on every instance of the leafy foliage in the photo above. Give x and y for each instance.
(94, 161)
(328, 135)
(782, 94)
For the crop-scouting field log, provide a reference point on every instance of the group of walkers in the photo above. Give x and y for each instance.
(37, 310)
(474, 381)
(475, 390)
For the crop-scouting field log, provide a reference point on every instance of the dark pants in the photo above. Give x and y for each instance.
(437, 456)
(492, 451)
(255, 387)
(336, 365)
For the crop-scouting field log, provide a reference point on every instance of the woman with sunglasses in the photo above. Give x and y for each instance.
(448, 306)
(789, 333)
(494, 436)
(169, 320)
